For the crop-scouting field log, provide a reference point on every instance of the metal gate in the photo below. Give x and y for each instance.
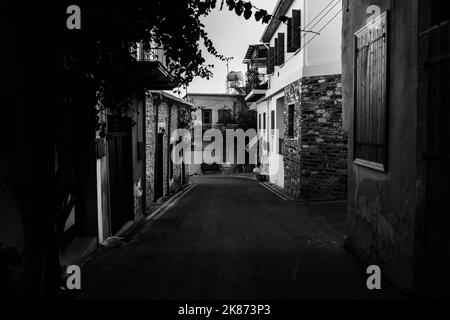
(434, 58)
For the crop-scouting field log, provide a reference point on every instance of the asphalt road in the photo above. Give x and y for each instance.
(231, 238)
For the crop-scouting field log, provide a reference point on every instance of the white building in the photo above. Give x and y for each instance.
(214, 108)
(304, 55)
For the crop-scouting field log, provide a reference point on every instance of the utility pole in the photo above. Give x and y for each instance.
(227, 59)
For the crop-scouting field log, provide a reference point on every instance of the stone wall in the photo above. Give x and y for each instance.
(149, 150)
(157, 111)
(163, 117)
(316, 157)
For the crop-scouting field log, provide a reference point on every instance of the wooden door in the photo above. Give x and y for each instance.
(120, 173)
(434, 66)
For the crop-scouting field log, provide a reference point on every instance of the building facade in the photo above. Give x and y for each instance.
(215, 111)
(300, 104)
(395, 59)
(130, 167)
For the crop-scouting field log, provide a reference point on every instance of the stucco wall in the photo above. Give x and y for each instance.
(213, 102)
(322, 54)
(382, 206)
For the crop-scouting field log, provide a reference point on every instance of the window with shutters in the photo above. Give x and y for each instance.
(370, 145)
(295, 32)
(207, 116)
(291, 114)
(224, 115)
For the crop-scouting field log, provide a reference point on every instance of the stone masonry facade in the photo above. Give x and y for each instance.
(316, 157)
(149, 150)
(157, 112)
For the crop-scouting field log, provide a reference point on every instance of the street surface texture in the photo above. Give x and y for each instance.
(231, 238)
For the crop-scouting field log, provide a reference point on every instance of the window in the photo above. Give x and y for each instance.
(224, 115)
(291, 114)
(264, 119)
(259, 121)
(272, 120)
(207, 116)
(370, 95)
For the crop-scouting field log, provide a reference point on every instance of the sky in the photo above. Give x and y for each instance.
(231, 35)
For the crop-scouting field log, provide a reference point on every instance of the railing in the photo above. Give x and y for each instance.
(256, 81)
(153, 54)
(220, 126)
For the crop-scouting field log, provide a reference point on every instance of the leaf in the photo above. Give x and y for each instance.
(283, 19)
(267, 18)
(231, 4)
(258, 15)
(247, 14)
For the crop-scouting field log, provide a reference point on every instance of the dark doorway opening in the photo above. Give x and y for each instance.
(120, 172)
(159, 166)
(434, 104)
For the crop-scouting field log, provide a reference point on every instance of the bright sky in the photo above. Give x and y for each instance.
(231, 35)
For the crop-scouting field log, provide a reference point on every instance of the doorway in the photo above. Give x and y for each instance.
(159, 167)
(434, 104)
(120, 172)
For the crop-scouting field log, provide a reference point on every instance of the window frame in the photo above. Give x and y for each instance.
(264, 121)
(383, 166)
(291, 131)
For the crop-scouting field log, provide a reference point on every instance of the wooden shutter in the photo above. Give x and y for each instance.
(280, 54)
(289, 35)
(370, 94)
(276, 60)
(296, 32)
(271, 61)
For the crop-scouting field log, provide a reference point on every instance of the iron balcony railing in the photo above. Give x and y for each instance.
(153, 54)
(257, 81)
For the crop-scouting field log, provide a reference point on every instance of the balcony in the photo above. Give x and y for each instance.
(151, 69)
(257, 78)
(257, 85)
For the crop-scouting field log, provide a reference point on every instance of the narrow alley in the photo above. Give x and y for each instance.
(231, 238)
